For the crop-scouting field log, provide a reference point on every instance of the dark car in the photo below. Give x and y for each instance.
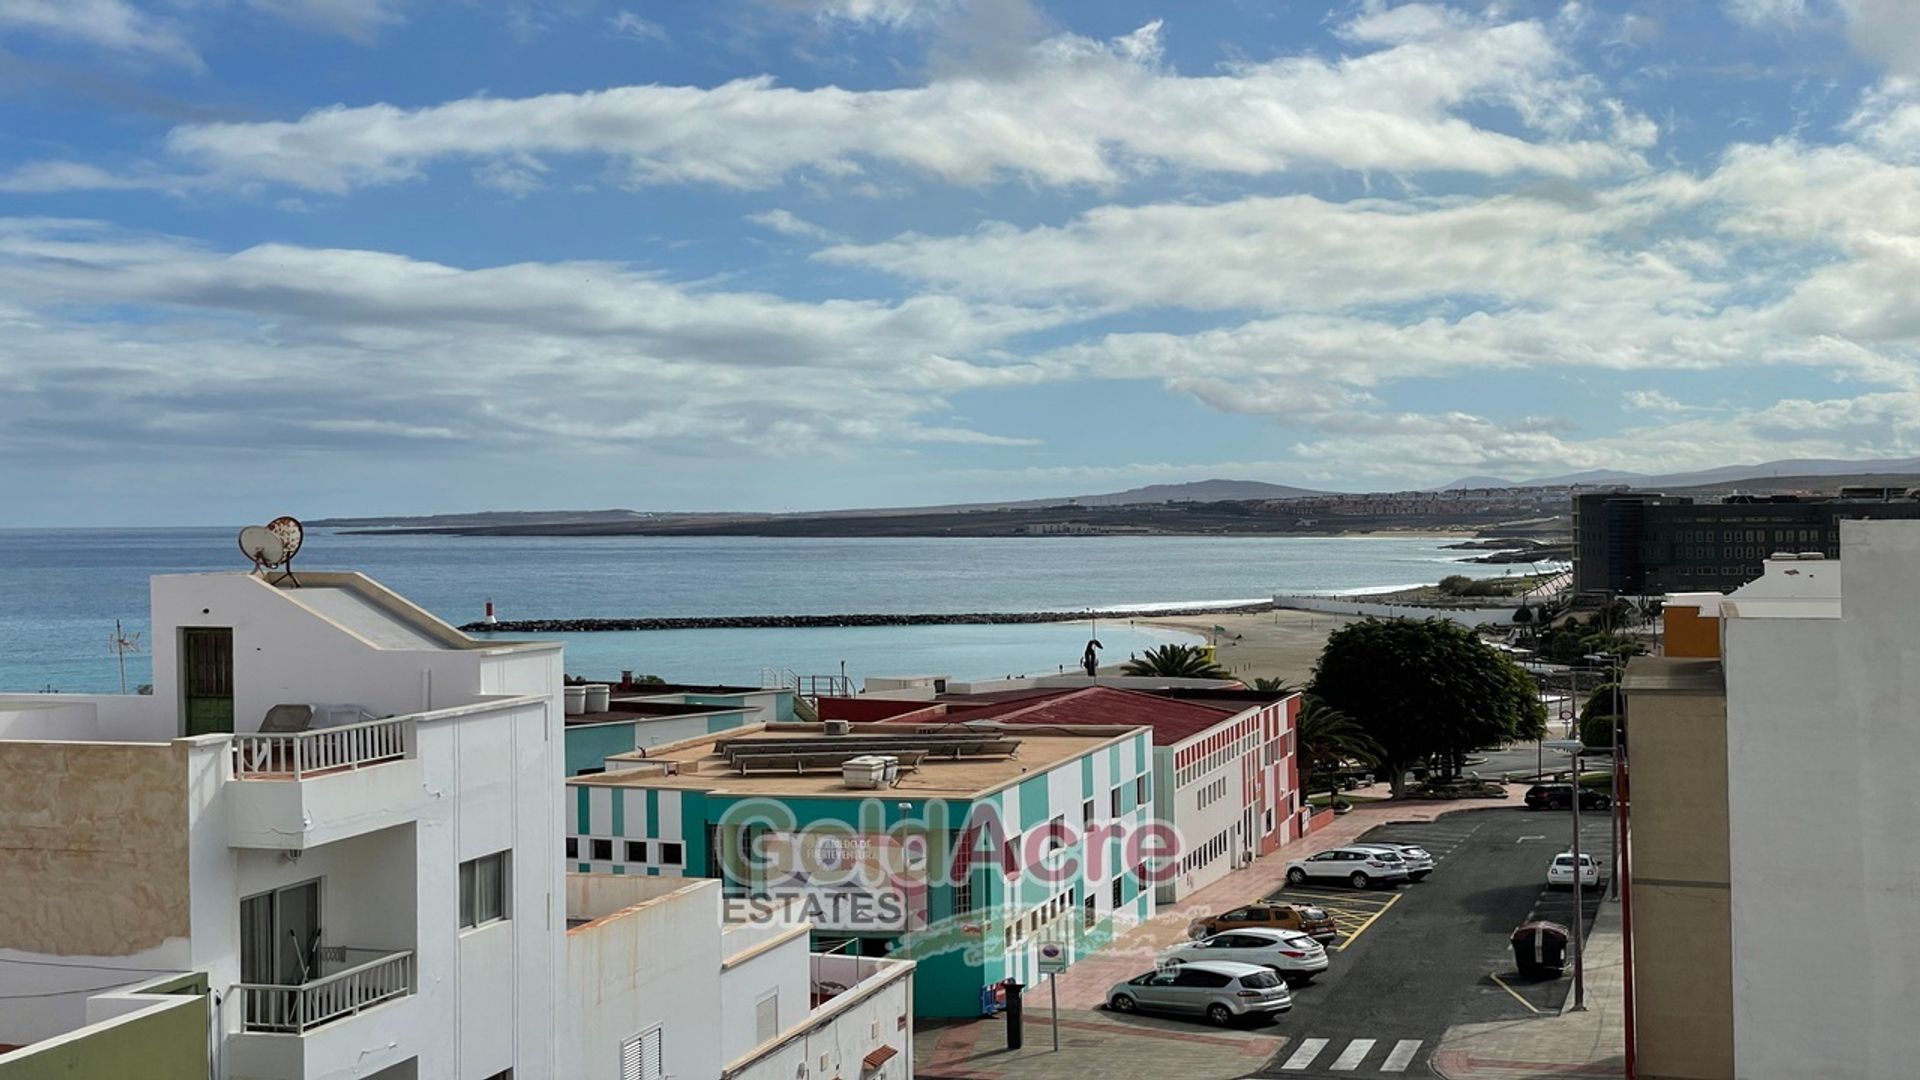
(1560, 797)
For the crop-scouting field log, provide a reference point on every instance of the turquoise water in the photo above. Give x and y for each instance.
(61, 590)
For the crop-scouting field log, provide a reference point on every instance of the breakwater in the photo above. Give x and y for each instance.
(805, 622)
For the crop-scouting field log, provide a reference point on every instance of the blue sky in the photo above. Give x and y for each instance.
(387, 256)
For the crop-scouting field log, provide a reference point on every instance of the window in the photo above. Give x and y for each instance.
(963, 896)
(483, 889)
(1140, 790)
(636, 851)
(602, 850)
(1113, 799)
(1010, 856)
(573, 847)
(1086, 812)
(641, 1057)
(1093, 914)
(766, 1017)
(671, 854)
(1116, 891)
(503, 1074)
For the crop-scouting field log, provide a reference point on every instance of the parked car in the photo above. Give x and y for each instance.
(1560, 871)
(1220, 990)
(1357, 866)
(1296, 957)
(1307, 919)
(1560, 797)
(1419, 861)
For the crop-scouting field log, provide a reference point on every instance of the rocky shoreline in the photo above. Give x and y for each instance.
(807, 622)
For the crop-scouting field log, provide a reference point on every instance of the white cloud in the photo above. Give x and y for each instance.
(1885, 30)
(359, 20)
(169, 344)
(787, 223)
(109, 24)
(1766, 13)
(1077, 112)
(628, 24)
(42, 177)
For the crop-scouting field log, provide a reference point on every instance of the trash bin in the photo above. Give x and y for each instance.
(1540, 949)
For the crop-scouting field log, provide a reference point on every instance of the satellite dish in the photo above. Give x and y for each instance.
(290, 533)
(273, 545)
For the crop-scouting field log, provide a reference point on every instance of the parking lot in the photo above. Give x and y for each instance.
(1413, 960)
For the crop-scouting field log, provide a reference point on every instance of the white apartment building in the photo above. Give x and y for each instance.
(373, 886)
(732, 1001)
(1774, 828)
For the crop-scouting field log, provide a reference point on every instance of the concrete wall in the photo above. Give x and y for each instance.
(776, 969)
(151, 1032)
(656, 963)
(1824, 834)
(1682, 925)
(93, 853)
(835, 1039)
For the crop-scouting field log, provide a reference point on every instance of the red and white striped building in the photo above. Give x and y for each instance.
(1225, 774)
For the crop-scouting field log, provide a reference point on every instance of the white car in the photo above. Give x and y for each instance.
(1292, 955)
(1418, 859)
(1357, 866)
(1560, 871)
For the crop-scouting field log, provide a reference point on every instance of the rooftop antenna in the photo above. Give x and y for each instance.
(123, 642)
(273, 546)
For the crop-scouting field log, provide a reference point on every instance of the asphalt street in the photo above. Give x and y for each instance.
(1416, 959)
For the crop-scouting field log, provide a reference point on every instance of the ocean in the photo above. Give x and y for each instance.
(62, 589)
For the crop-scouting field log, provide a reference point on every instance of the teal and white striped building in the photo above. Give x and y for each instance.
(679, 812)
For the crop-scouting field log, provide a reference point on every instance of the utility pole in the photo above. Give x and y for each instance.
(1579, 897)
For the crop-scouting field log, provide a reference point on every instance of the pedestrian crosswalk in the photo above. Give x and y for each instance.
(1352, 1057)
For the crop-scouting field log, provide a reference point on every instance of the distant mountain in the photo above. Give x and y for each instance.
(484, 517)
(1195, 491)
(1591, 476)
(1477, 482)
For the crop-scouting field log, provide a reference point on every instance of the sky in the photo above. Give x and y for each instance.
(402, 256)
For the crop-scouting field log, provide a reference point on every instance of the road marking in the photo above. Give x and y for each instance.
(1362, 928)
(1402, 1056)
(1303, 1057)
(1356, 1052)
(1511, 990)
(1524, 839)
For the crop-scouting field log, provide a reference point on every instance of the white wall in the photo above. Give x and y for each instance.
(857, 1029)
(658, 964)
(779, 971)
(1824, 832)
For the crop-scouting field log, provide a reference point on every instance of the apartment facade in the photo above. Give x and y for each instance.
(734, 1001)
(680, 810)
(342, 811)
(1225, 772)
(1790, 956)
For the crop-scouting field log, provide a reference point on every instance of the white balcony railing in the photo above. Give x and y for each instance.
(299, 754)
(298, 1009)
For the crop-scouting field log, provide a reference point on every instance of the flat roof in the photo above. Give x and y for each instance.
(1172, 720)
(697, 764)
(632, 709)
(1673, 674)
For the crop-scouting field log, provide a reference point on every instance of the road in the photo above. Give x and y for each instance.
(1417, 959)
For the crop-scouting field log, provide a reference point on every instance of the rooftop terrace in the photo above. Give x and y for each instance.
(702, 764)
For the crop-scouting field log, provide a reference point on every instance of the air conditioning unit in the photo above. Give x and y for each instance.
(836, 727)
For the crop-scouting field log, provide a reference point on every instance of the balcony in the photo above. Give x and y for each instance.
(360, 1016)
(362, 979)
(295, 790)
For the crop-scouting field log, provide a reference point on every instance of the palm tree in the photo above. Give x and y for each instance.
(1325, 737)
(1175, 662)
(1275, 686)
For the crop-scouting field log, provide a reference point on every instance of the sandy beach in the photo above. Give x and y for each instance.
(1280, 644)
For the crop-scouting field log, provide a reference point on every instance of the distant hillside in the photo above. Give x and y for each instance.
(1800, 469)
(1196, 491)
(485, 517)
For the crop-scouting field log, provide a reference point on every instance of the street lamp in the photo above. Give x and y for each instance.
(1572, 748)
(1613, 881)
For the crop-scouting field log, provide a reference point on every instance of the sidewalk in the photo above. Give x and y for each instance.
(1590, 1043)
(1085, 984)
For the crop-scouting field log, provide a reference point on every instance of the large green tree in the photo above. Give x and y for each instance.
(1326, 738)
(1424, 689)
(1174, 662)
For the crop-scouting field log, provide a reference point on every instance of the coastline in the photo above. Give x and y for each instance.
(1281, 643)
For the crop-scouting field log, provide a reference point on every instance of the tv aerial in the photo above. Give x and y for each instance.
(122, 642)
(272, 547)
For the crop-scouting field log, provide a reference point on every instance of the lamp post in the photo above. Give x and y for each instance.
(1613, 676)
(1572, 748)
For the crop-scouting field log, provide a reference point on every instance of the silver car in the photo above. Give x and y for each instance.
(1361, 867)
(1294, 956)
(1219, 990)
(1418, 859)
